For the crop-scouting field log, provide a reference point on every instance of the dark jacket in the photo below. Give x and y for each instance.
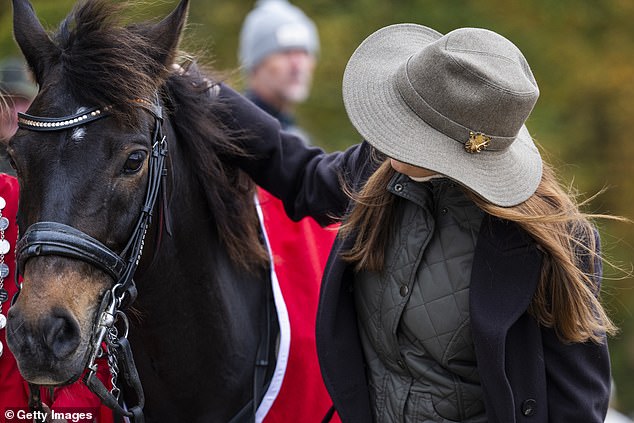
(287, 121)
(527, 374)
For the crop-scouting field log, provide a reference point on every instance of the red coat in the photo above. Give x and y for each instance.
(300, 250)
(14, 393)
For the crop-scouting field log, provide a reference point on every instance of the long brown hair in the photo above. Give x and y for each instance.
(566, 298)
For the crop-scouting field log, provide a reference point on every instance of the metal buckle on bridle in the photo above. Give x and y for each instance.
(52, 238)
(107, 342)
(106, 331)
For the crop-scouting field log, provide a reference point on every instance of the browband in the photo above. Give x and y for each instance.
(47, 124)
(43, 124)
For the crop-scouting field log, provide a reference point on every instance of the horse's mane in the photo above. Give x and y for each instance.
(229, 191)
(104, 62)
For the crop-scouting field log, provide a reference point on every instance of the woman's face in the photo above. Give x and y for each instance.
(410, 170)
(9, 114)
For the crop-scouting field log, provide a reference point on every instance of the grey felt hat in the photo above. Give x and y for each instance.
(455, 104)
(274, 26)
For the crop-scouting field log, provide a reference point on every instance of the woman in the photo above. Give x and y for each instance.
(463, 284)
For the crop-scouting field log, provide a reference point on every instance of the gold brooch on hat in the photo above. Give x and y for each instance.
(477, 142)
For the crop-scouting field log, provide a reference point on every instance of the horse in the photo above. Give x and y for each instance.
(124, 194)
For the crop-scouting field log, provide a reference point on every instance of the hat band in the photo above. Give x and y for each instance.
(440, 122)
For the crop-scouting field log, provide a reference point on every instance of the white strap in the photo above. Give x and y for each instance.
(285, 331)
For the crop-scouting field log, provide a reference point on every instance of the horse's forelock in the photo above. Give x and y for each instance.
(103, 62)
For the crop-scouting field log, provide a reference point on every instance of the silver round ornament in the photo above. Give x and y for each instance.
(5, 247)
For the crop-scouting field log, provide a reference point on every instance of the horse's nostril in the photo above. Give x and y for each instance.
(61, 334)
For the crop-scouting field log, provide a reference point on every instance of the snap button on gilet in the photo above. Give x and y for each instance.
(404, 290)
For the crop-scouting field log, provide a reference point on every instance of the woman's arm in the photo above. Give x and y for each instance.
(578, 380)
(307, 180)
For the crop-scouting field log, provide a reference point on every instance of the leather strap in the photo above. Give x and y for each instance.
(47, 124)
(53, 238)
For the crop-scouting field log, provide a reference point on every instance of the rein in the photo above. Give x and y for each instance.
(53, 238)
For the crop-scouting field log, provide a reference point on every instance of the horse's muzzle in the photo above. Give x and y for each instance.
(46, 350)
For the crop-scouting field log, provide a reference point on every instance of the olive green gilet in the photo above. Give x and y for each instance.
(414, 316)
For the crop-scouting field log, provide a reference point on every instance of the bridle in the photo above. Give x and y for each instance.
(54, 238)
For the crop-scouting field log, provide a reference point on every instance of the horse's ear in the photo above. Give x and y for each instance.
(167, 33)
(37, 47)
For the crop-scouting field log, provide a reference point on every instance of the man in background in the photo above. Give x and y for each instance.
(278, 50)
(16, 93)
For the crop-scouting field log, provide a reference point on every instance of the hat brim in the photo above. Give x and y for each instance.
(379, 113)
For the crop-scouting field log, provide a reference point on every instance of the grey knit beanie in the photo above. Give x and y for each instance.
(273, 26)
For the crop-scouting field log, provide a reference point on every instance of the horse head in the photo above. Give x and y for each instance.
(82, 158)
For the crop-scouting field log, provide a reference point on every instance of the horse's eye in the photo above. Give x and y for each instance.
(134, 162)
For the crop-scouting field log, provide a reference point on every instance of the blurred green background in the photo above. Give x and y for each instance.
(582, 55)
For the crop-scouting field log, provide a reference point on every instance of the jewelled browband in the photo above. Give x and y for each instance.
(45, 124)
(37, 123)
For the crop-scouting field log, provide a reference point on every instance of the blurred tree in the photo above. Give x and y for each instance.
(580, 52)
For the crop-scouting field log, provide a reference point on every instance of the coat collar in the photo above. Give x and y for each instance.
(504, 277)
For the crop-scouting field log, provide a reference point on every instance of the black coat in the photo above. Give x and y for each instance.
(527, 373)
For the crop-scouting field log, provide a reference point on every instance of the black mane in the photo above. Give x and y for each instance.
(229, 191)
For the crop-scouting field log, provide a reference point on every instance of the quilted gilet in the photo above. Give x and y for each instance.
(414, 316)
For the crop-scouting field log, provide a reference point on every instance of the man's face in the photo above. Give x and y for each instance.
(284, 78)
(9, 109)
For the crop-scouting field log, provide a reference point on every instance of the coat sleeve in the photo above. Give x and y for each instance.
(578, 375)
(306, 179)
(578, 380)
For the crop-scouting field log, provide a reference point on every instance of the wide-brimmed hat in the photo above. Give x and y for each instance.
(455, 104)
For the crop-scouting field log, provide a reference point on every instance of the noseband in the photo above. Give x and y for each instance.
(54, 238)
